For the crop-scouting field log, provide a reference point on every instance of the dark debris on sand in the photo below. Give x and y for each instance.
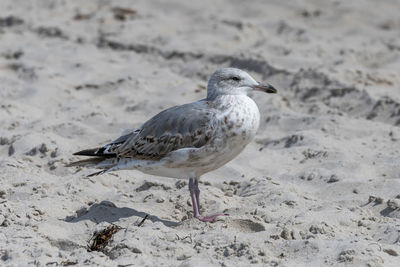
(100, 239)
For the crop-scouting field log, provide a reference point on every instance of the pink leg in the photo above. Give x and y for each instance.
(195, 194)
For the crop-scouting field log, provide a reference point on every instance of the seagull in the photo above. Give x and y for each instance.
(189, 140)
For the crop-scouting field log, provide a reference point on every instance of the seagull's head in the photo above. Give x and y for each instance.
(231, 81)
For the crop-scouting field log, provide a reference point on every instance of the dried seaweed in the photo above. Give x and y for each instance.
(100, 239)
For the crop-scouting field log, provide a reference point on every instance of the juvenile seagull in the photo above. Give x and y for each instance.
(189, 140)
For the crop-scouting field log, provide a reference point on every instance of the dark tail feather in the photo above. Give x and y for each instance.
(97, 152)
(87, 152)
(97, 173)
(86, 162)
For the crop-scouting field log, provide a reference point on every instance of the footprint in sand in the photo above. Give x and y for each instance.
(247, 226)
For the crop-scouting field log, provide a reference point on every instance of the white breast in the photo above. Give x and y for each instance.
(240, 119)
(236, 125)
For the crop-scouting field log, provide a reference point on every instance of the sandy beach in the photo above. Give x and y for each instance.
(319, 185)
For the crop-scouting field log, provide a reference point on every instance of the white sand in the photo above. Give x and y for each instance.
(318, 187)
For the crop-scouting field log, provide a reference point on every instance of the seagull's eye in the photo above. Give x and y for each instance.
(235, 78)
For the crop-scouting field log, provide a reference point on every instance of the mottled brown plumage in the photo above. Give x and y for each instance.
(193, 127)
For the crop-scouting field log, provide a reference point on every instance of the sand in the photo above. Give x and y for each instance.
(319, 185)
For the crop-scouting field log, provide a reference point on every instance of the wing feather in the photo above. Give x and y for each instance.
(107, 151)
(190, 125)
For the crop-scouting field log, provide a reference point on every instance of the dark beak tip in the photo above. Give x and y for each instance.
(266, 88)
(271, 89)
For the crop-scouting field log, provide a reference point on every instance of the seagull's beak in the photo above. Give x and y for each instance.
(267, 88)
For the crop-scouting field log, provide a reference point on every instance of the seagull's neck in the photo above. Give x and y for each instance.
(224, 102)
(225, 97)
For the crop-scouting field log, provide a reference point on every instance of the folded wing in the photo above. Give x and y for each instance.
(190, 125)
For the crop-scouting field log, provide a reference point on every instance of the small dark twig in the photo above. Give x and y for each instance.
(183, 238)
(142, 222)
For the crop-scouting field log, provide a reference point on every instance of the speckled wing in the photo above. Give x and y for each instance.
(190, 125)
(107, 151)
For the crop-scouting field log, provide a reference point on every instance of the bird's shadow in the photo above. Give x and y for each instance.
(107, 211)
